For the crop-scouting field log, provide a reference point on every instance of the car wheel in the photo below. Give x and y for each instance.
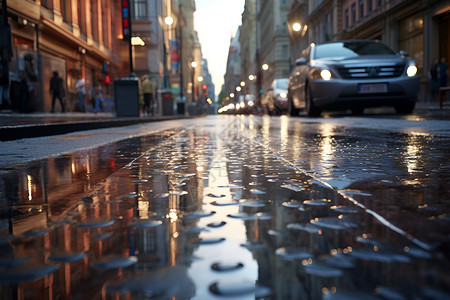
(311, 109)
(292, 111)
(405, 108)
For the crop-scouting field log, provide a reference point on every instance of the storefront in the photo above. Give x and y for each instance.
(43, 43)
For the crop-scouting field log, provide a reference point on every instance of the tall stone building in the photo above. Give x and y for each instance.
(248, 46)
(273, 40)
(167, 27)
(233, 72)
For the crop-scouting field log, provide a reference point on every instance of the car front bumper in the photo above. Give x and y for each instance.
(345, 93)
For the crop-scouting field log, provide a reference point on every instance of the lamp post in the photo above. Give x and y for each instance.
(131, 44)
(193, 65)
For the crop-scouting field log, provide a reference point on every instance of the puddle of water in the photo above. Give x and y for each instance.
(205, 213)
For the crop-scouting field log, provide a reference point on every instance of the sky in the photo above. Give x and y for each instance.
(216, 21)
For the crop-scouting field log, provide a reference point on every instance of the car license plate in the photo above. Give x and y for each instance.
(373, 88)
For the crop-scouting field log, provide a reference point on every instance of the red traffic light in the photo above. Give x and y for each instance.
(204, 87)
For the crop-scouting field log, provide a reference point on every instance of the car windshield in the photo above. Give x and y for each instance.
(282, 84)
(349, 49)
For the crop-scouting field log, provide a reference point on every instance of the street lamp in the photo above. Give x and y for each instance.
(193, 65)
(251, 77)
(168, 20)
(265, 67)
(296, 27)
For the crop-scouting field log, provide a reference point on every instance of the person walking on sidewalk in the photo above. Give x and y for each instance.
(80, 86)
(57, 90)
(27, 85)
(443, 72)
(148, 89)
(98, 97)
(434, 79)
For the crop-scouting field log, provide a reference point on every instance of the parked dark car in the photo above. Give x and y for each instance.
(352, 74)
(276, 99)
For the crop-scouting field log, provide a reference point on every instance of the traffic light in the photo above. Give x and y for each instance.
(126, 20)
(204, 87)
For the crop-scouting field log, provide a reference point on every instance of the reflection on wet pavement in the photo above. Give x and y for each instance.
(243, 211)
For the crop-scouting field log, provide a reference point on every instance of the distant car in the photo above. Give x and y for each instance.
(277, 96)
(246, 104)
(352, 74)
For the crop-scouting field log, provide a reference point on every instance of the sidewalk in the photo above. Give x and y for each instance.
(15, 126)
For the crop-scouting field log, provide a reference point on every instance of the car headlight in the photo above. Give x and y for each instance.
(411, 71)
(282, 95)
(325, 74)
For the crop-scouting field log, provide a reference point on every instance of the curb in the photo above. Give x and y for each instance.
(10, 133)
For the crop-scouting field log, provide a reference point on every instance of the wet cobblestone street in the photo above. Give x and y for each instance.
(238, 208)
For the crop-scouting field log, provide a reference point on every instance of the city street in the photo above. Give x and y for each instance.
(231, 207)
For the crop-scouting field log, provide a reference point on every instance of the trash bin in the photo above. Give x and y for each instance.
(167, 102)
(126, 97)
(180, 108)
(192, 109)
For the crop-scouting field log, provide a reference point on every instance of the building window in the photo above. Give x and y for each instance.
(284, 51)
(66, 10)
(369, 6)
(380, 2)
(346, 18)
(361, 9)
(47, 3)
(140, 9)
(353, 13)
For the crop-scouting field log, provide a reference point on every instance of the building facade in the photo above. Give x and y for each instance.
(75, 38)
(248, 46)
(273, 41)
(233, 73)
(85, 38)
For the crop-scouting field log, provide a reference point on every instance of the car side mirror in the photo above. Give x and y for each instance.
(403, 53)
(300, 62)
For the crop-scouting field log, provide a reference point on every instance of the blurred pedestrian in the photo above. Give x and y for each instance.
(148, 89)
(434, 79)
(98, 97)
(27, 84)
(443, 72)
(57, 90)
(4, 81)
(80, 86)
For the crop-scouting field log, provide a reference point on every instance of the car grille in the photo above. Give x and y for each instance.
(371, 72)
